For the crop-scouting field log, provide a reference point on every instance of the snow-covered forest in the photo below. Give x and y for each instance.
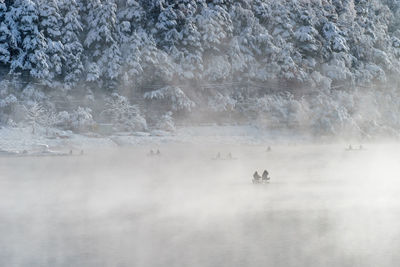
(325, 66)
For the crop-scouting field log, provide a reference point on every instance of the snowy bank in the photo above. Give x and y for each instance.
(19, 139)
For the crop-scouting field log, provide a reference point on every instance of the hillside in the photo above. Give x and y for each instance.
(328, 66)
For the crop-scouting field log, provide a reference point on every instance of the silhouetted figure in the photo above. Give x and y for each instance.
(230, 155)
(268, 149)
(361, 147)
(82, 152)
(265, 177)
(218, 155)
(256, 177)
(158, 152)
(70, 152)
(151, 153)
(350, 147)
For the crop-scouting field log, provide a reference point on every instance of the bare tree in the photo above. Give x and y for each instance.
(34, 115)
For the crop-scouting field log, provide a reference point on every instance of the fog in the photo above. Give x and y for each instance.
(324, 206)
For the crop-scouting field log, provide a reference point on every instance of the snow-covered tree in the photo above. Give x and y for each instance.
(101, 41)
(172, 97)
(123, 115)
(31, 56)
(5, 35)
(48, 119)
(79, 120)
(131, 15)
(221, 56)
(73, 49)
(34, 114)
(50, 23)
(8, 101)
(166, 122)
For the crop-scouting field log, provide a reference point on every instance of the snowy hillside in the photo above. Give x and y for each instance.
(329, 67)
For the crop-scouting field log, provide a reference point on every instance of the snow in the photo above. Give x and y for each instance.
(18, 139)
(177, 98)
(118, 78)
(194, 57)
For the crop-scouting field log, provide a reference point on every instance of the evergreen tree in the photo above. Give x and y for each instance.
(73, 49)
(132, 14)
(101, 41)
(5, 35)
(50, 25)
(31, 57)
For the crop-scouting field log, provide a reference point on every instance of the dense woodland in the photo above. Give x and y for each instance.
(328, 66)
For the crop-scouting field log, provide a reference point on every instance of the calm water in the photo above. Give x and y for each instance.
(323, 207)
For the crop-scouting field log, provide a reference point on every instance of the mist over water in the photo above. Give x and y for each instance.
(323, 207)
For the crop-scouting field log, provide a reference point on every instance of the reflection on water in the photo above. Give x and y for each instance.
(323, 207)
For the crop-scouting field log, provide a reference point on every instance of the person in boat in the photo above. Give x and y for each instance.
(265, 176)
(350, 147)
(256, 176)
